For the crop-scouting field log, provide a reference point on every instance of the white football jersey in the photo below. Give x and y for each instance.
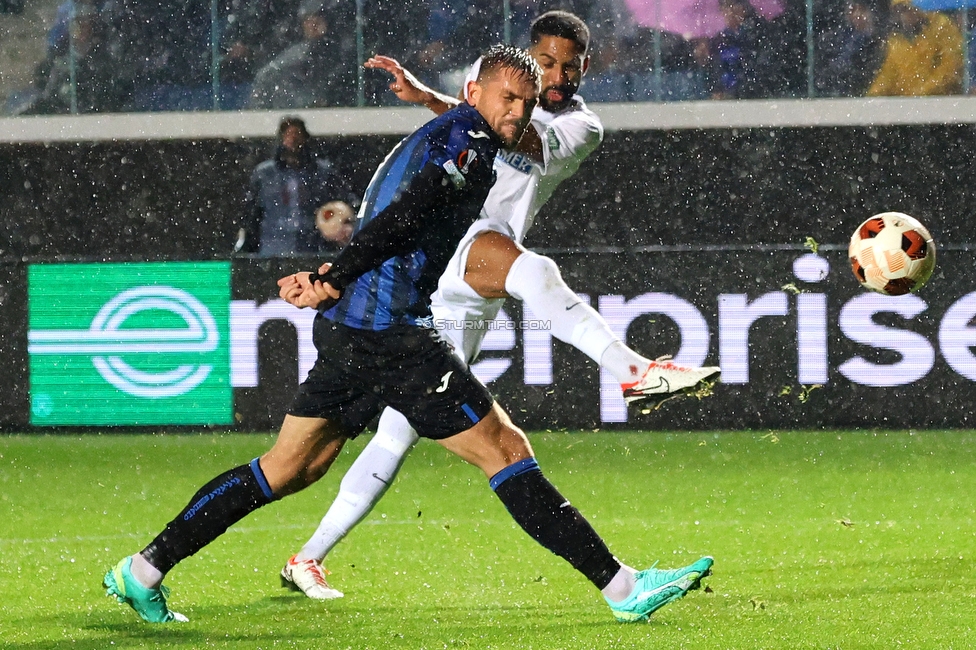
(522, 188)
(524, 184)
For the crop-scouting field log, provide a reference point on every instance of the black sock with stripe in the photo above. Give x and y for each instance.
(547, 516)
(218, 505)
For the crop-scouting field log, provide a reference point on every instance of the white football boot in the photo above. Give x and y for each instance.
(308, 577)
(664, 379)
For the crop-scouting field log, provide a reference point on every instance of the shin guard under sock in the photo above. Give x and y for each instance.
(213, 509)
(542, 512)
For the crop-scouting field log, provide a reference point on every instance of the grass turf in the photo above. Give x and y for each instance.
(821, 540)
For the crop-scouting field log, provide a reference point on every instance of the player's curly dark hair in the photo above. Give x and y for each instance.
(563, 25)
(508, 56)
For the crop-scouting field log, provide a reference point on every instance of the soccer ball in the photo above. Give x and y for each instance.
(892, 253)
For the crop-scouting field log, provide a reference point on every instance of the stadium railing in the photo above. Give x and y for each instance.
(207, 55)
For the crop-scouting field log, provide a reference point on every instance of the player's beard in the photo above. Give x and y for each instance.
(518, 131)
(567, 91)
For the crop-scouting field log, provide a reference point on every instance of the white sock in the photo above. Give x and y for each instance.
(621, 586)
(366, 481)
(536, 281)
(148, 575)
(623, 363)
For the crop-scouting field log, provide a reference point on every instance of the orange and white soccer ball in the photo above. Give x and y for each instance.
(892, 253)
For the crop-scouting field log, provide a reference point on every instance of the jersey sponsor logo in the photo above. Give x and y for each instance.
(516, 160)
(477, 134)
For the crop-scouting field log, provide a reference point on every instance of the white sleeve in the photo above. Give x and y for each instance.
(569, 137)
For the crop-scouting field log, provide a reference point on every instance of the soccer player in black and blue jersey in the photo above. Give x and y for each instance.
(377, 348)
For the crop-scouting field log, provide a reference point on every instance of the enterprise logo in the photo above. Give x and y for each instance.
(143, 343)
(106, 339)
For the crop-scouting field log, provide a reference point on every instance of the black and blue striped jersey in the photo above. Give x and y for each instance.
(418, 205)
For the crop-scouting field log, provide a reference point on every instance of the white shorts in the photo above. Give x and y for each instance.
(460, 314)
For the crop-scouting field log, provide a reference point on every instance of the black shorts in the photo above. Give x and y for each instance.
(358, 372)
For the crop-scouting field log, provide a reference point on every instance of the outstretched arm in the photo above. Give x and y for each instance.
(410, 89)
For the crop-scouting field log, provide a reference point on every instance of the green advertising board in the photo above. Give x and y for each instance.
(129, 344)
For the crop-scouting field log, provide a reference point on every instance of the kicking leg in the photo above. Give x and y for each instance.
(366, 481)
(498, 267)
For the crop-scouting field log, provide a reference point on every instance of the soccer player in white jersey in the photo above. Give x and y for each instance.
(490, 265)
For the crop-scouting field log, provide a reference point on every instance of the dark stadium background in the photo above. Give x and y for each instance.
(691, 212)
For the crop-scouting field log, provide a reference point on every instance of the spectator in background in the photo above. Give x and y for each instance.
(57, 35)
(397, 29)
(315, 72)
(610, 21)
(254, 33)
(86, 59)
(286, 192)
(735, 55)
(164, 43)
(923, 54)
(458, 31)
(848, 56)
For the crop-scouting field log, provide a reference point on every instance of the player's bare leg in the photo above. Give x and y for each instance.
(498, 267)
(489, 262)
(491, 445)
(303, 452)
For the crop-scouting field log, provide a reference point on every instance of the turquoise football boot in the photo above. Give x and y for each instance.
(149, 603)
(656, 588)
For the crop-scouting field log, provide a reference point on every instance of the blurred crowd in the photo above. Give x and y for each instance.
(144, 55)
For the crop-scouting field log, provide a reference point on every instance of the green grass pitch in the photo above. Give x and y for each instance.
(821, 540)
